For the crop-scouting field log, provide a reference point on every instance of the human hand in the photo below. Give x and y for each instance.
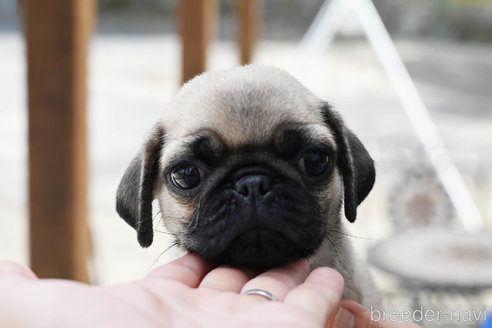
(188, 292)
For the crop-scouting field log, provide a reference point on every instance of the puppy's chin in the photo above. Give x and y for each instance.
(258, 248)
(263, 248)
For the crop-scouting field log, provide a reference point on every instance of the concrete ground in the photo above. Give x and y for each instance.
(133, 77)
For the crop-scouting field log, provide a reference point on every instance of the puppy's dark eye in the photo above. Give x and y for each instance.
(187, 177)
(314, 163)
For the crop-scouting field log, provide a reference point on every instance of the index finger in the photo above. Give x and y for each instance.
(188, 269)
(320, 295)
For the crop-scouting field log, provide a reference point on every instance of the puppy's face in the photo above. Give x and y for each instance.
(249, 168)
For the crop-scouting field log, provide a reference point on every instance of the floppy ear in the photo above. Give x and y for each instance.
(136, 190)
(354, 162)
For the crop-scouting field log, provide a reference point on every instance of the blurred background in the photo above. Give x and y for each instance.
(135, 67)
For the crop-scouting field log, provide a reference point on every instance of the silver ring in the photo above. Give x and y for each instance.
(263, 293)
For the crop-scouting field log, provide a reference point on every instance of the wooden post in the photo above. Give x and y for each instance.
(248, 28)
(57, 33)
(197, 24)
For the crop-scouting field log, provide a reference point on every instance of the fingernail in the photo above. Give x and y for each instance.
(344, 319)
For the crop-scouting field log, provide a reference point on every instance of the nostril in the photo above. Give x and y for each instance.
(253, 185)
(243, 189)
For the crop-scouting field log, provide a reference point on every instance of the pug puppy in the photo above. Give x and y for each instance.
(251, 169)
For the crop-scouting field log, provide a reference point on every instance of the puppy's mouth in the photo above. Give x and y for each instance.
(260, 248)
(279, 225)
(257, 247)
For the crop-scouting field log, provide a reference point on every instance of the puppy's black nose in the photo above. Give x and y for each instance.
(252, 186)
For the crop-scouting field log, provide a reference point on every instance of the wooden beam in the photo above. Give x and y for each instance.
(57, 34)
(248, 28)
(197, 25)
